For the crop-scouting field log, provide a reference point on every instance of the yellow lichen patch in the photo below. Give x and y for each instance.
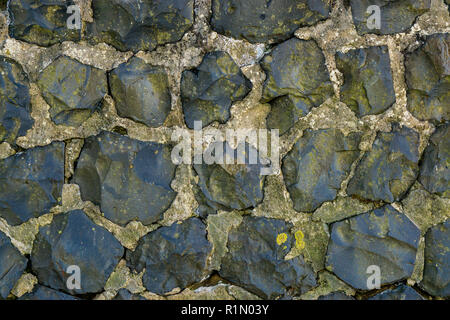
(281, 238)
(299, 243)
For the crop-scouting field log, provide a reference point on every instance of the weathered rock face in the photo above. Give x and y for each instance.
(31, 183)
(401, 292)
(208, 91)
(128, 179)
(428, 79)
(387, 171)
(72, 89)
(368, 87)
(336, 296)
(141, 92)
(383, 237)
(124, 294)
(436, 274)
(15, 104)
(164, 251)
(434, 170)
(255, 259)
(44, 293)
(262, 20)
(317, 165)
(297, 80)
(72, 239)
(12, 265)
(140, 24)
(396, 16)
(41, 22)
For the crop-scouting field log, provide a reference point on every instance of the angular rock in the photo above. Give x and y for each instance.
(72, 89)
(368, 87)
(388, 170)
(129, 179)
(401, 292)
(12, 265)
(434, 169)
(124, 294)
(140, 24)
(317, 165)
(262, 20)
(141, 92)
(255, 259)
(297, 80)
(208, 91)
(174, 257)
(72, 239)
(427, 72)
(396, 16)
(436, 274)
(31, 183)
(45, 293)
(336, 296)
(383, 237)
(15, 103)
(41, 22)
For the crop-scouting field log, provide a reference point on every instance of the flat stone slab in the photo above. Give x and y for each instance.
(129, 179)
(15, 102)
(44, 293)
(141, 92)
(427, 72)
(264, 20)
(401, 292)
(388, 170)
(31, 183)
(317, 165)
(72, 239)
(368, 86)
(208, 91)
(173, 257)
(255, 259)
(383, 237)
(134, 25)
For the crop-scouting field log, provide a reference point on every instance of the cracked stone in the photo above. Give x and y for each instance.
(141, 92)
(45, 293)
(31, 183)
(436, 274)
(15, 103)
(401, 292)
(336, 296)
(256, 259)
(427, 72)
(264, 20)
(387, 171)
(163, 252)
(208, 91)
(129, 179)
(317, 165)
(41, 22)
(12, 265)
(368, 86)
(383, 237)
(72, 239)
(124, 294)
(140, 24)
(395, 16)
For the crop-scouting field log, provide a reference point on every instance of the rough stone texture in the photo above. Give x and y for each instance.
(124, 294)
(401, 292)
(141, 92)
(72, 89)
(73, 239)
(31, 183)
(387, 171)
(436, 274)
(297, 80)
(164, 251)
(140, 24)
(368, 87)
(44, 293)
(428, 79)
(317, 165)
(12, 265)
(262, 20)
(396, 15)
(15, 104)
(41, 22)
(256, 259)
(434, 169)
(129, 179)
(383, 237)
(336, 296)
(208, 91)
